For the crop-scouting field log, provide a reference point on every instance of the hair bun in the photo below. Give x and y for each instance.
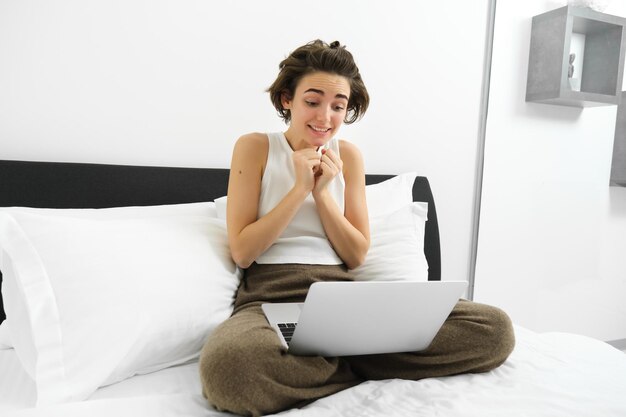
(335, 44)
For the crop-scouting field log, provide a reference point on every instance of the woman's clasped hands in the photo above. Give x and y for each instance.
(314, 170)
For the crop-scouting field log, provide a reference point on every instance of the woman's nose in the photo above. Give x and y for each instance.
(323, 113)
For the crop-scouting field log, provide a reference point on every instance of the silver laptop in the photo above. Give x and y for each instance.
(362, 318)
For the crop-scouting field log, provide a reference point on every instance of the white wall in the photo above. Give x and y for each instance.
(176, 82)
(170, 82)
(552, 238)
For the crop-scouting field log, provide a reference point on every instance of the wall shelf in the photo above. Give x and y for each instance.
(597, 40)
(618, 166)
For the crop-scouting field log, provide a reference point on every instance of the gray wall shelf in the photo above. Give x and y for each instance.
(618, 166)
(597, 69)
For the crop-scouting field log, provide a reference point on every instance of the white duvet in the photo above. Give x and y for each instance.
(550, 374)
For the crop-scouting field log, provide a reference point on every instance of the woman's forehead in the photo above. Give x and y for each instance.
(327, 83)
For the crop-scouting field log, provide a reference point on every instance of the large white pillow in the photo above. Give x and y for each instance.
(390, 195)
(127, 212)
(396, 246)
(91, 300)
(397, 227)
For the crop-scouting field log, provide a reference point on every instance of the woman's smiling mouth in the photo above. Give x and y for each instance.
(320, 129)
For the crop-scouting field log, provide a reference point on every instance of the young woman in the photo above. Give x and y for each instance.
(296, 215)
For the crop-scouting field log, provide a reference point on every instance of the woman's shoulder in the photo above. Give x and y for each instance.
(250, 153)
(353, 166)
(348, 150)
(254, 143)
(253, 139)
(251, 149)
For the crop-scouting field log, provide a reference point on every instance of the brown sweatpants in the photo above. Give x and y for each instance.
(245, 369)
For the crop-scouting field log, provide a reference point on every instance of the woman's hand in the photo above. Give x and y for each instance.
(306, 163)
(329, 167)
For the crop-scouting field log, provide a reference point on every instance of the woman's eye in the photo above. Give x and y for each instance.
(311, 103)
(339, 108)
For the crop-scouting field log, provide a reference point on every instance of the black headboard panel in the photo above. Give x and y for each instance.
(74, 185)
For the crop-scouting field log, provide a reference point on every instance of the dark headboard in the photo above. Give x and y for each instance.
(73, 185)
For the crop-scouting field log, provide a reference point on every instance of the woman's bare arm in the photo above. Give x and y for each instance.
(348, 232)
(248, 236)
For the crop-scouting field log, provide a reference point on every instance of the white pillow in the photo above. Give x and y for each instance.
(390, 195)
(220, 207)
(92, 300)
(127, 212)
(396, 246)
(5, 340)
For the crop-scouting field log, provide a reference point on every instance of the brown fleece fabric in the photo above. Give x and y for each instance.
(245, 369)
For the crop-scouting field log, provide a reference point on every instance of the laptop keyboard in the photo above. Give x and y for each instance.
(287, 330)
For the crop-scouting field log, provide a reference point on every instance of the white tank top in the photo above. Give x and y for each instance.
(304, 240)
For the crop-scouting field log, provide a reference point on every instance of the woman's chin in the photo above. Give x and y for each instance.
(318, 143)
(317, 140)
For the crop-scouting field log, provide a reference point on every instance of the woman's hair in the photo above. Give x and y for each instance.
(319, 56)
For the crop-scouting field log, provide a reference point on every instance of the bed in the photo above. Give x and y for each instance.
(111, 210)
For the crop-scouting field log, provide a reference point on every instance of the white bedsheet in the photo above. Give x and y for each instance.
(551, 375)
(17, 389)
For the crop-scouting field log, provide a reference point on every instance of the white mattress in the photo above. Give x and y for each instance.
(17, 389)
(551, 374)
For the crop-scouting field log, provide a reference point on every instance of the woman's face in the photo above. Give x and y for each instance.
(318, 109)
